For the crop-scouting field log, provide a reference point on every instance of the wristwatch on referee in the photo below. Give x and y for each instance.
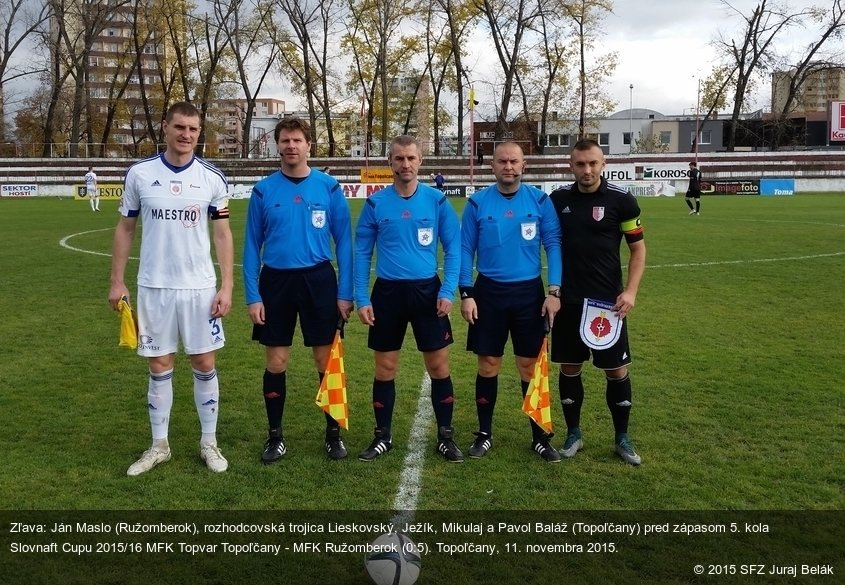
(554, 292)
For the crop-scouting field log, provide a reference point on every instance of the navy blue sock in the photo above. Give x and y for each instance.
(384, 397)
(618, 397)
(275, 389)
(486, 392)
(571, 398)
(442, 400)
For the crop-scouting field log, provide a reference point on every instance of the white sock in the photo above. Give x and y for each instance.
(207, 400)
(159, 403)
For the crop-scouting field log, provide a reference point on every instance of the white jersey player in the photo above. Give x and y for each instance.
(91, 189)
(177, 196)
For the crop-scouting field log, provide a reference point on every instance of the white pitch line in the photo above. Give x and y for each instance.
(64, 244)
(410, 482)
(750, 261)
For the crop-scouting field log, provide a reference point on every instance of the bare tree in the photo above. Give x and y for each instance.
(459, 16)
(586, 16)
(203, 66)
(89, 18)
(752, 54)
(18, 22)
(548, 73)
(439, 56)
(812, 63)
(380, 52)
(149, 19)
(712, 97)
(253, 36)
(509, 22)
(308, 59)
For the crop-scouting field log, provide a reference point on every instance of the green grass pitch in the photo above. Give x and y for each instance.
(738, 398)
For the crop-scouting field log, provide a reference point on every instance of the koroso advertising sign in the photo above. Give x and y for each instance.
(665, 172)
(19, 191)
(837, 121)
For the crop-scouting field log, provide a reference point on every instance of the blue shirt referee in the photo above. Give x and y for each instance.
(405, 222)
(503, 229)
(293, 217)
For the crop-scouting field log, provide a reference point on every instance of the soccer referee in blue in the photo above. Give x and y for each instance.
(294, 215)
(502, 230)
(404, 222)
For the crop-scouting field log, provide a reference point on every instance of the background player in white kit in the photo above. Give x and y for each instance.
(175, 194)
(91, 189)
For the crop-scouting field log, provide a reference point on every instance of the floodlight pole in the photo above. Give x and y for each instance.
(697, 131)
(471, 135)
(631, 120)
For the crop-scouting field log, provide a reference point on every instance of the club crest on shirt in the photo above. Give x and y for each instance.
(318, 218)
(175, 187)
(600, 326)
(598, 213)
(425, 235)
(529, 231)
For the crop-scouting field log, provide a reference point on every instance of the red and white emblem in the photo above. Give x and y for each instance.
(598, 213)
(600, 326)
(175, 187)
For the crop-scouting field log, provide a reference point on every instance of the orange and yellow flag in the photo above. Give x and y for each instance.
(537, 402)
(331, 397)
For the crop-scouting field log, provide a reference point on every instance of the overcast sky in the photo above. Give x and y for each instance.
(665, 45)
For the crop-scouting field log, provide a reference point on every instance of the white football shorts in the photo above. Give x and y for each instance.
(166, 315)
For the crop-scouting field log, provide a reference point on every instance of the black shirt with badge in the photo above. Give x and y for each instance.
(592, 226)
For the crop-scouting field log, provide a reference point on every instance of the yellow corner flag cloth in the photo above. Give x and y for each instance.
(331, 397)
(128, 325)
(537, 402)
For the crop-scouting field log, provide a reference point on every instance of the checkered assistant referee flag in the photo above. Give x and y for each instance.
(537, 402)
(331, 397)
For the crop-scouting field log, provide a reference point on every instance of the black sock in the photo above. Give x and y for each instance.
(697, 205)
(537, 432)
(275, 389)
(689, 204)
(442, 400)
(384, 397)
(486, 392)
(618, 397)
(571, 398)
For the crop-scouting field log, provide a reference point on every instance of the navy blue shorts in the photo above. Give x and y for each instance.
(399, 302)
(310, 293)
(568, 348)
(507, 308)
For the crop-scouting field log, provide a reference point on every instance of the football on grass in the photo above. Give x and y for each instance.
(393, 560)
